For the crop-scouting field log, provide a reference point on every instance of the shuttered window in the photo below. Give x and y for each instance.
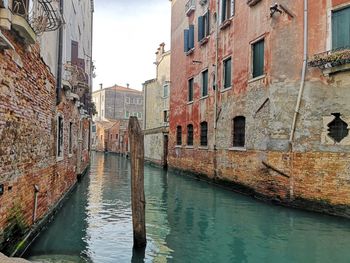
(204, 83)
(74, 53)
(178, 135)
(258, 58)
(204, 133)
(190, 90)
(227, 73)
(189, 38)
(59, 136)
(203, 26)
(190, 134)
(227, 9)
(239, 131)
(341, 28)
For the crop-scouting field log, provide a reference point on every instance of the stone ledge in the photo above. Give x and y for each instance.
(5, 259)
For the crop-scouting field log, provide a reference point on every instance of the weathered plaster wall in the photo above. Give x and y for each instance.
(313, 169)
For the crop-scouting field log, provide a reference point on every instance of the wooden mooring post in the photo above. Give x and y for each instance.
(138, 202)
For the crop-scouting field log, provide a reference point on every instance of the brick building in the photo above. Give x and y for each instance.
(156, 110)
(117, 103)
(45, 90)
(259, 98)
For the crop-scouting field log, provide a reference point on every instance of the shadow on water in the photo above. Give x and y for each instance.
(186, 221)
(138, 255)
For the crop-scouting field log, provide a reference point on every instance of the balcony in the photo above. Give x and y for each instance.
(190, 7)
(29, 17)
(333, 61)
(252, 2)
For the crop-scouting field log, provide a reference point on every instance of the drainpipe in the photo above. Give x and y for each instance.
(302, 83)
(144, 105)
(216, 72)
(60, 55)
(36, 192)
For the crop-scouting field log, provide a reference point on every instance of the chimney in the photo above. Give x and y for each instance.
(127, 85)
(160, 52)
(101, 85)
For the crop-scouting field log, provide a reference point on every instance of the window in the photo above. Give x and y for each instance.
(59, 136)
(116, 136)
(127, 114)
(204, 133)
(165, 90)
(139, 115)
(102, 113)
(227, 9)
(190, 134)
(189, 38)
(227, 73)
(166, 116)
(93, 129)
(239, 131)
(203, 26)
(258, 58)
(139, 101)
(70, 147)
(127, 100)
(178, 135)
(338, 129)
(190, 90)
(20, 7)
(204, 83)
(341, 28)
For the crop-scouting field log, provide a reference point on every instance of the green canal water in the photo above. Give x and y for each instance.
(187, 221)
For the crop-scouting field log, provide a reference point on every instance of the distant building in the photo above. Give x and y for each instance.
(117, 103)
(156, 94)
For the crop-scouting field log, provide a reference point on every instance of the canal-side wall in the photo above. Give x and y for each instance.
(312, 170)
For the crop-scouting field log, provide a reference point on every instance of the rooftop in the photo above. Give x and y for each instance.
(119, 88)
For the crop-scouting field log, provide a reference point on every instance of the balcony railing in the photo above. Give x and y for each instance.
(42, 15)
(329, 59)
(190, 7)
(76, 75)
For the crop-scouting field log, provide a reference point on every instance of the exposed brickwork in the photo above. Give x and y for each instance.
(28, 128)
(307, 172)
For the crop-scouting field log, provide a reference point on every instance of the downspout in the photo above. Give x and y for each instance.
(297, 107)
(302, 83)
(216, 86)
(60, 55)
(144, 105)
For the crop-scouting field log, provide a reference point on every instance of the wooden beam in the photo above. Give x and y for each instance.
(138, 202)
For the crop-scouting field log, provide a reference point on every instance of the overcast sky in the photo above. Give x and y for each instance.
(127, 34)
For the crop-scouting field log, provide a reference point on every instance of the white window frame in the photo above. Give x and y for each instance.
(58, 145)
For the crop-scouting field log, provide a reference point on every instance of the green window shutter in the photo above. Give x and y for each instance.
(223, 10)
(205, 83)
(200, 28)
(190, 90)
(191, 37)
(186, 37)
(341, 28)
(227, 73)
(207, 25)
(258, 59)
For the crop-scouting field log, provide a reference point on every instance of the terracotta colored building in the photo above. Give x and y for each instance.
(260, 98)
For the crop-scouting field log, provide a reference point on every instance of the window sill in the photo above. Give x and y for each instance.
(190, 10)
(336, 69)
(190, 147)
(178, 146)
(226, 89)
(225, 24)
(204, 97)
(237, 149)
(191, 51)
(190, 102)
(59, 159)
(256, 78)
(203, 148)
(204, 41)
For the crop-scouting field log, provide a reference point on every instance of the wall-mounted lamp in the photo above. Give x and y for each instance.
(275, 8)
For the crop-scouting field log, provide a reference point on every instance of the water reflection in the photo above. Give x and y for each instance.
(187, 221)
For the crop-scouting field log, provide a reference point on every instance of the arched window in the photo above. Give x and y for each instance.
(204, 133)
(190, 134)
(178, 135)
(238, 131)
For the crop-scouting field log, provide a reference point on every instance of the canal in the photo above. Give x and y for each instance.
(187, 221)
